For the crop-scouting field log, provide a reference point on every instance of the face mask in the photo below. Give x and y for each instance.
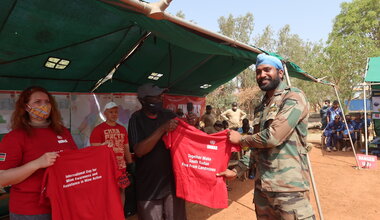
(153, 107)
(39, 113)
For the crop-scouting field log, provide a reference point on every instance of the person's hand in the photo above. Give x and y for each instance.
(228, 174)
(46, 160)
(234, 137)
(169, 126)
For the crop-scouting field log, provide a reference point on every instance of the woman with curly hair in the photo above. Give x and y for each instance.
(37, 137)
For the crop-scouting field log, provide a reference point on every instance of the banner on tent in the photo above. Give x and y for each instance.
(81, 112)
(7, 103)
(376, 116)
(367, 161)
(376, 103)
(174, 102)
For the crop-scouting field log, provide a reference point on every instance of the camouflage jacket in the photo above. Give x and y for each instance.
(278, 145)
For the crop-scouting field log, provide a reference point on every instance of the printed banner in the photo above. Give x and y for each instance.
(174, 102)
(376, 103)
(376, 116)
(128, 103)
(63, 104)
(367, 161)
(7, 104)
(86, 113)
(81, 112)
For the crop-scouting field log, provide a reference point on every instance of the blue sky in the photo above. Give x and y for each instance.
(312, 20)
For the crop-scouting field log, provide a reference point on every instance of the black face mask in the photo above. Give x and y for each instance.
(152, 107)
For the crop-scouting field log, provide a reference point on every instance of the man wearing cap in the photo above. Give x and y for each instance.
(279, 147)
(234, 116)
(115, 136)
(154, 173)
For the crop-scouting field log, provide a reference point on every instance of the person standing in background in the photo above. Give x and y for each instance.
(323, 113)
(333, 111)
(234, 116)
(208, 119)
(191, 117)
(115, 136)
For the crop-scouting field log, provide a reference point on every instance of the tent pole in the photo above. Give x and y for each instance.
(365, 118)
(345, 122)
(113, 70)
(308, 162)
(314, 188)
(286, 74)
(365, 110)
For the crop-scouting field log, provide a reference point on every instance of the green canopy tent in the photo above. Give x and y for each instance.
(105, 45)
(372, 78)
(111, 46)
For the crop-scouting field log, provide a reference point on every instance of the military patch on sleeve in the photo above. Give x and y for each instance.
(3, 156)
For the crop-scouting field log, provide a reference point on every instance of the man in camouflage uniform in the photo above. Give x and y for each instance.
(278, 147)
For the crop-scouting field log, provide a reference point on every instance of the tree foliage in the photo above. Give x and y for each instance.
(341, 60)
(354, 38)
(239, 28)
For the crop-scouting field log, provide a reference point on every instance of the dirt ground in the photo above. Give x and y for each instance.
(344, 192)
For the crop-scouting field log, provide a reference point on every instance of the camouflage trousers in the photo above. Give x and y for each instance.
(283, 205)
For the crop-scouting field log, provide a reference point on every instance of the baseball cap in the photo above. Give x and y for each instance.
(109, 106)
(149, 89)
(234, 104)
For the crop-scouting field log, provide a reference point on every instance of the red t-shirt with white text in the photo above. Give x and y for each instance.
(197, 158)
(20, 148)
(82, 185)
(116, 138)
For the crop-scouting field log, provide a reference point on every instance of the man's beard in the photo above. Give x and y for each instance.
(273, 83)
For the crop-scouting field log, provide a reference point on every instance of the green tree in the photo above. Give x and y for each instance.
(239, 28)
(354, 38)
(266, 41)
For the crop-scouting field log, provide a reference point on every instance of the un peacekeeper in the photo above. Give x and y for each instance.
(278, 147)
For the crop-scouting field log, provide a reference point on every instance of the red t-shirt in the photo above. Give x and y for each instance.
(82, 184)
(197, 158)
(116, 137)
(19, 149)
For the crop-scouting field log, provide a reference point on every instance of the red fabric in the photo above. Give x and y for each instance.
(115, 136)
(21, 149)
(82, 185)
(197, 158)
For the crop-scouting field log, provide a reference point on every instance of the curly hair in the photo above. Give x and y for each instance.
(20, 117)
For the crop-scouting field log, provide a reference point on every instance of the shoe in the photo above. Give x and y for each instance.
(344, 149)
(349, 148)
(328, 149)
(251, 177)
(334, 149)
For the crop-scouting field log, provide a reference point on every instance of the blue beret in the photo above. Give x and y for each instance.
(270, 60)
